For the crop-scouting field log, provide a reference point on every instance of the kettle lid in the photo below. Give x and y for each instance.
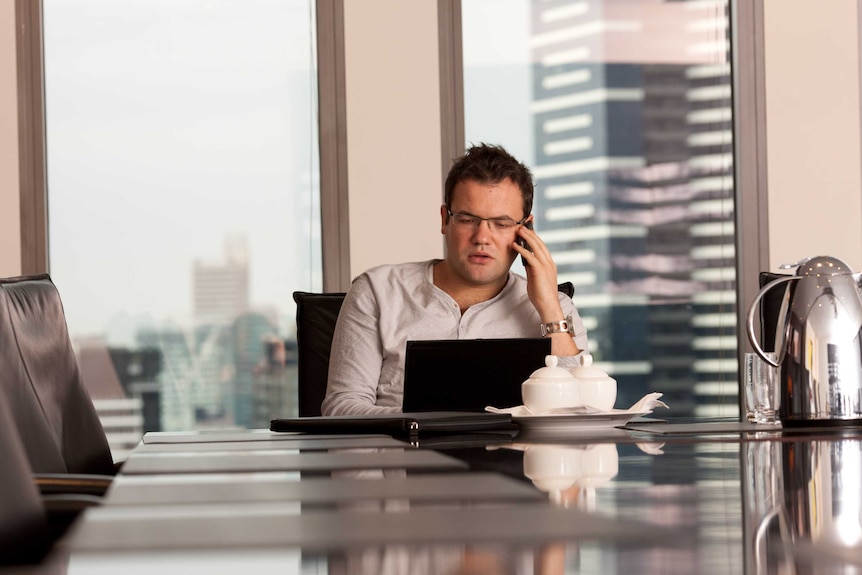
(823, 266)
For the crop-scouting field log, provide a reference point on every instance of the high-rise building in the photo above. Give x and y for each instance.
(221, 288)
(119, 412)
(138, 371)
(251, 334)
(634, 190)
(275, 381)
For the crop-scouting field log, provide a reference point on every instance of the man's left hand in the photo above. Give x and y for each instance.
(541, 275)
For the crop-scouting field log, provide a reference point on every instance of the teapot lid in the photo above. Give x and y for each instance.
(823, 266)
(587, 370)
(551, 371)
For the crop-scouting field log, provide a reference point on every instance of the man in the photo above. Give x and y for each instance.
(470, 294)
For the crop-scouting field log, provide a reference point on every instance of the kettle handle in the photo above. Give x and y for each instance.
(750, 323)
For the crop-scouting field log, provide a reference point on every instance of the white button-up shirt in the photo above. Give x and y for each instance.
(391, 304)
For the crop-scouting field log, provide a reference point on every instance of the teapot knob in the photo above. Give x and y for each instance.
(551, 360)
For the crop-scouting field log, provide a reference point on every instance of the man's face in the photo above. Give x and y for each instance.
(483, 254)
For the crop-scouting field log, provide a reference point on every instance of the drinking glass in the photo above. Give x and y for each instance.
(760, 384)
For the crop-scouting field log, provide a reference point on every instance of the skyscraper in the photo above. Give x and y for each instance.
(634, 189)
(221, 288)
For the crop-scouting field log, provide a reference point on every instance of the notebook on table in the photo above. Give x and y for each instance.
(410, 426)
(469, 374)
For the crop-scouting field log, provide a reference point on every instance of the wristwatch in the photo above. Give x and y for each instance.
(562, 326)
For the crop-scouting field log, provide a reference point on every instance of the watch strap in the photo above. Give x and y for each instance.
(562, 326)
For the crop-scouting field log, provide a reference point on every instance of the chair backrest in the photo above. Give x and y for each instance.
(55, 417)
(567, 288)
(316, 314)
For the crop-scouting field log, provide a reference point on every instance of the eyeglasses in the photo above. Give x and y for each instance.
(469, 221)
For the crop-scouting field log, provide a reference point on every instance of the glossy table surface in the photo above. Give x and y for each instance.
(693, 497)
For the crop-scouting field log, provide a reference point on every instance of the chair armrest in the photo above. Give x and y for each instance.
(69, 503)
(72, 483)
(62, 510)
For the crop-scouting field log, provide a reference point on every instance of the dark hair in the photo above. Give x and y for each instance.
(489, 164)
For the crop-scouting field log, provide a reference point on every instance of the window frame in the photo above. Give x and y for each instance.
(749, 124)
(33, 193)
(747, 53)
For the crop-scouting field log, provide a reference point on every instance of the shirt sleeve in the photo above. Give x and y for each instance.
(356, 356)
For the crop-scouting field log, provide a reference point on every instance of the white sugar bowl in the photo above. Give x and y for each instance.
(599, 464)
(553, 468)
(550, 387)
(598, 389)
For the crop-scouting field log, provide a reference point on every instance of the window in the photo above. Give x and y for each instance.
(183, 203)
(622, 109)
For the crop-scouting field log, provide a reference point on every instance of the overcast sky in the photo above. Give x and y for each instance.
(172, 125)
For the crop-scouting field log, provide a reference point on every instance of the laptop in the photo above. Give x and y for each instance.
(469, 374)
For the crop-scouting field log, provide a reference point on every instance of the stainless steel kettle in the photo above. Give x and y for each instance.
(818, 344)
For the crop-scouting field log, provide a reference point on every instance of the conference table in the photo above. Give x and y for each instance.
(652, 496)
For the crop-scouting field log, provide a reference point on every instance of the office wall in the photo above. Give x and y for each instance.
(813, 130)
(10, 225)
(393, 131)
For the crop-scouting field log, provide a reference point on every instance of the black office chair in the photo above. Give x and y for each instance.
(316, 314)
(54, 416)
(23, 522)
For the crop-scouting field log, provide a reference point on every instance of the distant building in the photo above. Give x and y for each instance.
(634, 191)
(252, 335)
(120, 414)
(221, 289)
(275, 387)
(138, 371)
(198, 377)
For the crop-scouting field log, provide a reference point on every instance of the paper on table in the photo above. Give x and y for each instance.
(644, 405)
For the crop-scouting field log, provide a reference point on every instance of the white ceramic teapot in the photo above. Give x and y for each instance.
(550, 387)
(597, 388)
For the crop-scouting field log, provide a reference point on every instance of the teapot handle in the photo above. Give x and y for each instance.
(750, 323)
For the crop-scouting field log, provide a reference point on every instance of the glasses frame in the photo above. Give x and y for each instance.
(490, 221)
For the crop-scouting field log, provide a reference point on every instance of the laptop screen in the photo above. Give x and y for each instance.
(468, 374)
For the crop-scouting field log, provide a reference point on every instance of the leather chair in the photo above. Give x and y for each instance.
(30, 522)
(23, 521)
(316, 314)
(315, 323)
(53, 414)
(567, 288)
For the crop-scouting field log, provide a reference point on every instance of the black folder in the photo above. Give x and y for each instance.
(401, 425)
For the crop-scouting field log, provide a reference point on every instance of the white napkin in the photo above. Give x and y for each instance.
(644, 405)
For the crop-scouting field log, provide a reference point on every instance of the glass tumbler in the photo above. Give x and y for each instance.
(760, 384)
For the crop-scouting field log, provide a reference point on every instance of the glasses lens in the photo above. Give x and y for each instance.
(465, 220)
(503, 225)
(495, 224)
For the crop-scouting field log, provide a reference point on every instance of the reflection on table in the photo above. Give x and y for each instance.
(739, 500)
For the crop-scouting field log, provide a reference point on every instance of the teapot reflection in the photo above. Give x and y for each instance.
(803, 504)
(571, 473)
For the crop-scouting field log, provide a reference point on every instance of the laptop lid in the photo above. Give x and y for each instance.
(468, 374)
